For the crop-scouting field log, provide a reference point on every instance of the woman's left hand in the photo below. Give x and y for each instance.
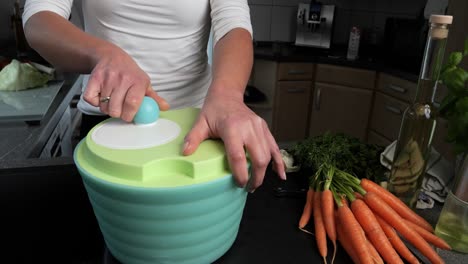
(241, 130)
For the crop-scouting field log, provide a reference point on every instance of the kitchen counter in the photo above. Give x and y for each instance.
(47, 217)
(286, 52)
(22, 142)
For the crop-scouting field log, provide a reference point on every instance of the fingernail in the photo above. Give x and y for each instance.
(186, 146)
(252, 191)
(283, 175)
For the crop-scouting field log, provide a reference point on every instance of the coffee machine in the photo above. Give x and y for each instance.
(314, 25)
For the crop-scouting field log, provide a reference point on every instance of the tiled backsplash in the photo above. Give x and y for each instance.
(275, 20)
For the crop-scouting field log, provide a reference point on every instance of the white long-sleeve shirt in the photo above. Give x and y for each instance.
(167, 38)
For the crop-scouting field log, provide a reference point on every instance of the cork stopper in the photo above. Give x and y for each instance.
(440, 19)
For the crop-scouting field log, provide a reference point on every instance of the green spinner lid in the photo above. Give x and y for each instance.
(150, 155)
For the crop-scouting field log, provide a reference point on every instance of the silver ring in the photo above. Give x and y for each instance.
(105, 99)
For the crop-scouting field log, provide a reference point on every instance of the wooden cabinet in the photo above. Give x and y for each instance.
(386, 116)
(304, 100)
(342, 101)
(288, 88)
(291, 108)
(392, 97)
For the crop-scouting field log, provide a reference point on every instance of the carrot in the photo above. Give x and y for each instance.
(397, 243)
(328, 209)
(353, 231)
(307, 211)
(428, 236)
(386, 212)
(346, 243)
(371, 227)
(320, 233)
(396, 204)
(375, 255)
(358, 195)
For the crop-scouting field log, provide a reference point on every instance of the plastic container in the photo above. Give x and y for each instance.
(452, 225)
(152, 204)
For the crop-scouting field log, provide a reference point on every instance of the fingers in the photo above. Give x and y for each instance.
(163, 104)
(259, 154)
(93, 90)
(131, 103)
(197, 134)
(237, 160)
(278, 163)
(125, 93)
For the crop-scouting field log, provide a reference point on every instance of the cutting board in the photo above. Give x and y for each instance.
(28, 105)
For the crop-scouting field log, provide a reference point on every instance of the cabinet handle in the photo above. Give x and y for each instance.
(396, 88)
(317, 99)
(393, 109)
(295, 90)
(296, 72)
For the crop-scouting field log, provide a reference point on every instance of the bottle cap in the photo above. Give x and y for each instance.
(441, 19)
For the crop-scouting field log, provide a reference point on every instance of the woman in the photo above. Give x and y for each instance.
(133, 48)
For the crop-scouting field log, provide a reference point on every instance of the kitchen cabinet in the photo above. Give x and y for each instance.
(393, 95)
(291, 105)
(342, 100)
(288, 88)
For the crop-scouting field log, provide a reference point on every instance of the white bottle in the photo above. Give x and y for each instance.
(353, 44)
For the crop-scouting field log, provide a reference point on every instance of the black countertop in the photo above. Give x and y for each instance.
(336, 55)
(47, 218)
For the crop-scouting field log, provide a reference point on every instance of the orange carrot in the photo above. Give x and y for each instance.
(353, 231)
(428, 236)
(399, 206)
(386, 212)
(307, 211)
(320, 233)
(328, 209)
(346, 243)
(397, 243)
(358, 195)
(371, 227)
(375, 255)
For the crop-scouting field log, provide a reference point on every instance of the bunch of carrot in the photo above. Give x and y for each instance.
(369, 222)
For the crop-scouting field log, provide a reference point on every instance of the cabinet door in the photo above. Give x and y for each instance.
(291, 111)
(386, 115)
(340, 109)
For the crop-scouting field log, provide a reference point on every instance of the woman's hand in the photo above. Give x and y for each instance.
(118, 78)
(232, 121)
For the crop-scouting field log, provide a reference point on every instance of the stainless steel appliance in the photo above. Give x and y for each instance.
(314, 25)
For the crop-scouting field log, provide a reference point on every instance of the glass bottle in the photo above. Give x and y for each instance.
(419, 121)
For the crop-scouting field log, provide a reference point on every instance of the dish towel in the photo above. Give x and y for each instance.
(436, 182)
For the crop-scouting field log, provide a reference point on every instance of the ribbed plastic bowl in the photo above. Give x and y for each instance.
(189, 224)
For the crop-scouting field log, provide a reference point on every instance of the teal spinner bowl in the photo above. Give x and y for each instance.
(154, 205)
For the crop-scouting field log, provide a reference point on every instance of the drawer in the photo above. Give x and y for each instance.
(295, 71)
(377, 139)
(345, 76)
(387, 113)
(397, 87)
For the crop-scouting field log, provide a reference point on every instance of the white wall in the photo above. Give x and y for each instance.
(275, 20)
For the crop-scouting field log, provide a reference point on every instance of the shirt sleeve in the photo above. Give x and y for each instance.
(227, 15)
(60, 7)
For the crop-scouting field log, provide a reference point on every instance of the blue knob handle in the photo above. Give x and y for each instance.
(148, 112)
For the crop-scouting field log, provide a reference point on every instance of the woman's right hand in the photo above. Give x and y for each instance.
(118, 77)
(113, 72)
